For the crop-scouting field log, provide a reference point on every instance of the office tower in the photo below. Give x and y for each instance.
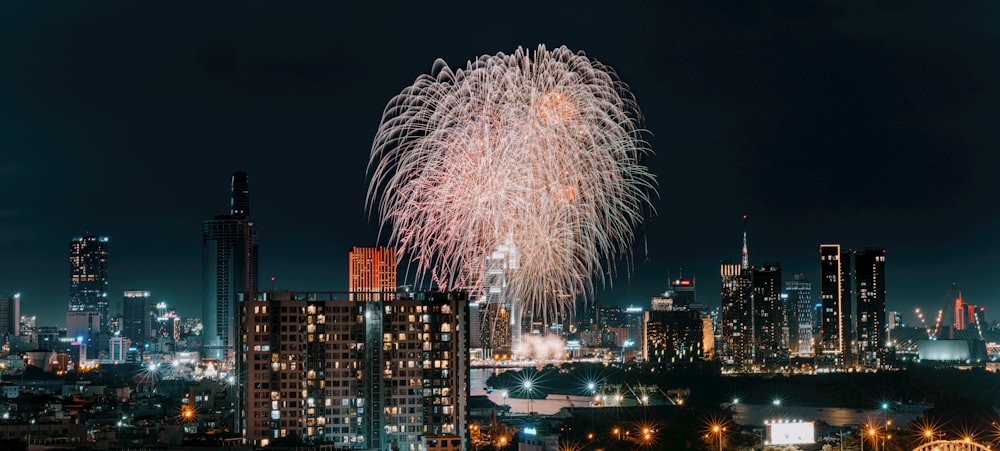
(869, 279)
(88, 275)
(835, 297)
(373, 370)
(768, 317)
(229, 263)
(137, 316)
(371, 269)
(737, 329)
(799, 311)
(10, 316)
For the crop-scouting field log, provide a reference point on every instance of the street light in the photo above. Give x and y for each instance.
(531, 399)
(718, 429)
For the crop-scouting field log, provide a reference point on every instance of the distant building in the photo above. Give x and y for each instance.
(359, 370)
(137, 316)
(870, 289)
(501, 313)
(768, 316)
(736, 315)
(88, 276)
(681, 295)
(83, 326)
(118, 349)
(230, 263)
(737, 309)
(10, 315)
(620, 326)
(835, 297)
(673, 337)
(968, 316)
(799, 308)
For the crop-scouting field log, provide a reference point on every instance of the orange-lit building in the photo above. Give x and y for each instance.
(371, 269)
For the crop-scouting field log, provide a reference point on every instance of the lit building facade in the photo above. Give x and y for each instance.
(869, 278)
(768, 316)
(88, 276)
(673, 337)
(736, 315)
(835, 298)
(230, 266)
(799, 308)
(357, 370)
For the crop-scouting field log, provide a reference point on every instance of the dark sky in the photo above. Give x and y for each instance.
(826, 122)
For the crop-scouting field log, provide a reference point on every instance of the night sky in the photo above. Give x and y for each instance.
(827, 122)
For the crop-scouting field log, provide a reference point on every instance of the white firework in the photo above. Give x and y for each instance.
(539, 151)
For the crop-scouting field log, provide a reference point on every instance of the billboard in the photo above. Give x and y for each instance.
(948, 350)
(790, 432)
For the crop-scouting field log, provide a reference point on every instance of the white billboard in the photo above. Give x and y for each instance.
(790, 432)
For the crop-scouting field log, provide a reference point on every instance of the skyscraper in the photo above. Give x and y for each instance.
(229, 263)
(88, 276)
(10, 315)
(835, 297)
(737, 309)
(137, 316)
(501, 313)
(768, 317)
(869, 277)
(799, 310)
(737, 329)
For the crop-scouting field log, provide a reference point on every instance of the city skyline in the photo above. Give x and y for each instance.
(866, 127)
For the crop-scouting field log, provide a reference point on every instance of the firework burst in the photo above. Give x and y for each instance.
(538, 152)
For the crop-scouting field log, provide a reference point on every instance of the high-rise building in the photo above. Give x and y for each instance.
(737, 328)
(768, 316)
(799, 311)
(10, 316)
(88, 276)
(737, 309)
(137, 313)
(501, 325)
(230, 265)
(374, 370)
(371, 269)
(835, 297)
(869, 278)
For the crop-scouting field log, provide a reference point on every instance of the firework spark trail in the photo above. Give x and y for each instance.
(539, 150)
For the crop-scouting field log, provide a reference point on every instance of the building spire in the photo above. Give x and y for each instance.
(746, 253)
